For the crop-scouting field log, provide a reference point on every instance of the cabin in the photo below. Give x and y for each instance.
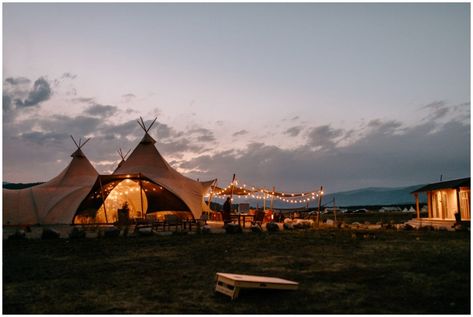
(444, 200)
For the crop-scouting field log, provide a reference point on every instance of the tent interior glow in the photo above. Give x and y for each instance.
(154, 201)
(127, 191)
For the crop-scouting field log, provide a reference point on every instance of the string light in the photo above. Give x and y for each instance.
(265, 194)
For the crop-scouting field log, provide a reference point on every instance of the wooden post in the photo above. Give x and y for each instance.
(417, 205)
(272, 198)
(103, 199)
(319, 204)
(141, 194)
(264, 201)
(212, 188)
(334, 210)
(231, 190)
(458, 203)
(429, 205)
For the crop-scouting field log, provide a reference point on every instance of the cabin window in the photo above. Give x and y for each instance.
(465, 204)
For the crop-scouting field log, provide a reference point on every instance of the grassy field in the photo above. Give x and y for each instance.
(339, 272)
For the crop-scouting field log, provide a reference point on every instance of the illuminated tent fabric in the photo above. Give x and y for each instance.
(53, 202)
(146, 160)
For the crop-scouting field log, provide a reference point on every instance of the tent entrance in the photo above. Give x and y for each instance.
(123, 203)
(142, 197)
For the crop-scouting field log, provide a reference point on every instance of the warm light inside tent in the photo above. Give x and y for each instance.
(127, 191)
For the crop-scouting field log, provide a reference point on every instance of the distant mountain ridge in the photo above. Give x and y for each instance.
(373, 196)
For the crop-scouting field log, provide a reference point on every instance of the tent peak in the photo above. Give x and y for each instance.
(143, 124)
(147, 139)
(123, 156)
(79, 145)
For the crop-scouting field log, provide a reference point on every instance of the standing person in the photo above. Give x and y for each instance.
(227, 208)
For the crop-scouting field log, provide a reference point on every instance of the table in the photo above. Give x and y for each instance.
(239, 217)
(230, 284)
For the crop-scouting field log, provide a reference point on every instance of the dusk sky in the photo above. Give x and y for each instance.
(288, 95)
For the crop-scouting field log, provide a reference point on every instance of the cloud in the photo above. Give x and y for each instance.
(17, 81)
(68, 76)
(43, 137)
(380, 157)
(101, 110)
(41, 92)
(384, 127)
(18, 96)
(293, 131)
(323, 137)
(128, 97)
(163, 130)
(438, 110)
(178, 147)
(125, 130)
(241, 132)
(378, 153)
(83, 100)
(202, 134)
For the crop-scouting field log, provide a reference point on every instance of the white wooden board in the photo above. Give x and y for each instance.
(230, 284)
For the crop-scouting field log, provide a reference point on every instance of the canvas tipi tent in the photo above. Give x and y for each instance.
(146, 160)
(53, 202)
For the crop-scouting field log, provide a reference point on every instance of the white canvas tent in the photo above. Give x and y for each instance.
(147, 161)
(53, 202)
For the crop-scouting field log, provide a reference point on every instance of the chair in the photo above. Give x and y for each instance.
(172, 220)
(259, 218)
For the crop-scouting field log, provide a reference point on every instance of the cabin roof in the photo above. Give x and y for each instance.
(456, 183)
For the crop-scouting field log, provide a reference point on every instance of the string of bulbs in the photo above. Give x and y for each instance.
(261, 193)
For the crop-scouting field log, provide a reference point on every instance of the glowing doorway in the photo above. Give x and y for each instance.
(127, 191)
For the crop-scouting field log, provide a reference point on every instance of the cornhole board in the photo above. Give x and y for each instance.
(230, 284)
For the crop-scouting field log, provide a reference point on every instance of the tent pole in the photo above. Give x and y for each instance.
(212, 188)
(334, 210)
(320, 202)
(264, 200)
(232, 184)
(103, 199)
(141, 195)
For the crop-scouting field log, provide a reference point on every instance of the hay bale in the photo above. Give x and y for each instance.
(19, 234)
(144, 231)
(49, 233)
(77, 233)
(272, 227)
(288, 226)
(256, 228)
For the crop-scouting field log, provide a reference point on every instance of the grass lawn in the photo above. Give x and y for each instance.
(390, 272)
